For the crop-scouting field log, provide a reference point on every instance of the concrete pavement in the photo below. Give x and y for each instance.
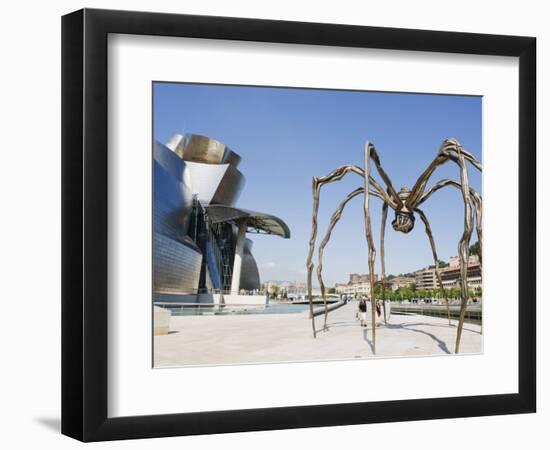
(263, 338)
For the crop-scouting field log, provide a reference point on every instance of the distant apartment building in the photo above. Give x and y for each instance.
(401, 282)
(358, 285)
(341, 288)
(355, 278)
(450, 275)
(387, 284)
(296, 288)
(454, 261)
(293, 290)
(425, 278)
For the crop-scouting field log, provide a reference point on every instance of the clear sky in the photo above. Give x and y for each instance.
(287, 136)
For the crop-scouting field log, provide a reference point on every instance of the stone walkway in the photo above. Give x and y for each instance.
(263, 338)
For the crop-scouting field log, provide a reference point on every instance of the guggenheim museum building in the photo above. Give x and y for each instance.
(201, 253)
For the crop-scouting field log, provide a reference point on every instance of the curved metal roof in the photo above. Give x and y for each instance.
(202, 149)
(258, 221)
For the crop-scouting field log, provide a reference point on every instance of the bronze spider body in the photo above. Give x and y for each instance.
(405, 205)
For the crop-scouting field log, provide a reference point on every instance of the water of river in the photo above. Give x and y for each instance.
(232, 310)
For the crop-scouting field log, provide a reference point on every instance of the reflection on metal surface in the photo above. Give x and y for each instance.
(257, 221)
(231, 158)
(176, 266)
(202, 149)
(176, 143)
(173, 201)
(250, 276)
(196, 183)
(215, 183)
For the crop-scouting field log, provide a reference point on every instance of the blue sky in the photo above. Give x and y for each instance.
(287, 136)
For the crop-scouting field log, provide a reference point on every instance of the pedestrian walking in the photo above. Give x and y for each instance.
(363, 312)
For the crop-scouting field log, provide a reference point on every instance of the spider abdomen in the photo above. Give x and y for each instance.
(403, 222)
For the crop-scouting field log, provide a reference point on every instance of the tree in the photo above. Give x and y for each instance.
(332, 290)
(455, 293)
(274, 291)
(476, 250)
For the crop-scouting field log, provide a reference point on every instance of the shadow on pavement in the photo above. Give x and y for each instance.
(441, 344)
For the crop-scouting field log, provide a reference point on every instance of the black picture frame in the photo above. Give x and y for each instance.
(84, 224)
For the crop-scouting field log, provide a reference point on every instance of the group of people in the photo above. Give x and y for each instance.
(362, 310)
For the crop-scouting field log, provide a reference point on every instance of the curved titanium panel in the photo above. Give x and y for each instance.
(168, 160)
(201, 166)
(250, 276)
(176, 144)
(231, 157)
(172, 204)
(202, 149)
(176, 266)
(256, 220)
(215, 183)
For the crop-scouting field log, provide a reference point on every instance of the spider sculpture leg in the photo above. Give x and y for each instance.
(451, 150)
(382, 258)
(436, 261)
(393, 200)
(479, 221)
(476, 205)
(464, 246)
(316, 189)
(333, 221)
(336, 216)
(370, 243)
(317, 183)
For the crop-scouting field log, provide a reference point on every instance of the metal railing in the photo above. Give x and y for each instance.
(473, 312)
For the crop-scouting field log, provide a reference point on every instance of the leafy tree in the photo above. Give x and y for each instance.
(274, 291)
(476, 250)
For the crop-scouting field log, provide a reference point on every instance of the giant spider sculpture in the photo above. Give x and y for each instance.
(405, 204)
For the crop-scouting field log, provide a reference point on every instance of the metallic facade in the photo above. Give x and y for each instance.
(196, 184)
(215, 183)
(250, 276)
(176, 258)
(258, 221)
(176, 266)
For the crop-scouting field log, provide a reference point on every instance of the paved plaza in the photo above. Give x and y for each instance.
(263, 338)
